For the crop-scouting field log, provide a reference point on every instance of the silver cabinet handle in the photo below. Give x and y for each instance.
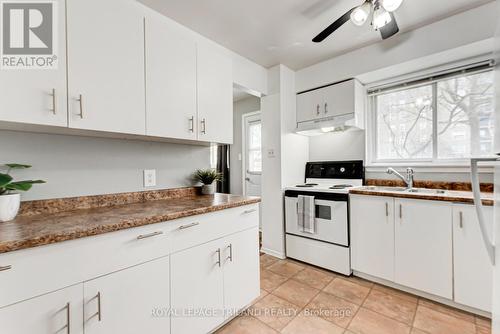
(317, 110)
(246, 212)
(326, 108)
(183, 227)
(54, 101)
(5, 268)
(218, 257)
(68, 318)
(191, 124)
(461, 219)
(401, 211)
(80, 100)
(98, 313)
(230, 258)
(204, 126)
(386, 209)
(149, 235)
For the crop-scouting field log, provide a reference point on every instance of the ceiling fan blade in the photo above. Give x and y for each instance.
(332, 27)
(389, 29)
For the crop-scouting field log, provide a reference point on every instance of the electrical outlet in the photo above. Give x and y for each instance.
(149, 177)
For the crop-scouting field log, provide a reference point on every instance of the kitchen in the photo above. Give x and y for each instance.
(166, 169)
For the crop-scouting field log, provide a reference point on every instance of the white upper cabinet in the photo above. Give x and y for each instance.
(215, 95)
(106, 65)
(473, 272)
(170, 80)
(37, 96)
(423, 248)
(372, 235)
(346, 99)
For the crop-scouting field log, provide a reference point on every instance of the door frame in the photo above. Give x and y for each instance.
(244, 146)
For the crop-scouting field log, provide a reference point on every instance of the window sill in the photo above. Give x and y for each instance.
(422, 167)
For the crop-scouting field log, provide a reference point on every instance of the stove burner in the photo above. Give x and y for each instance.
(307, 185)
(341, 186)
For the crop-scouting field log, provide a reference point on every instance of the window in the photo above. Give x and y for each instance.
(254, 147)
(445, 120)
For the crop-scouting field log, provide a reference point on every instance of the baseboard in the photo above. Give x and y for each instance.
(422, 294)
(279, 255)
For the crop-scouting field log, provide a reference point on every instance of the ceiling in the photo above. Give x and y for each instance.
(271, 32)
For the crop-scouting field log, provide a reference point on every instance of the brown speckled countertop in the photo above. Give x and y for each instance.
(31, 230)
(446, 196)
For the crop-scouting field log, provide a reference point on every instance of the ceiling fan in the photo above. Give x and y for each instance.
(383, 18)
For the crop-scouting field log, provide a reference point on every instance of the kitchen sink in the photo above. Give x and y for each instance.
(427, 191)
(413, 190)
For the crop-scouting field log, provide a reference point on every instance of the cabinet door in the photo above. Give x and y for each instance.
(37, 96)
(131, 301)
(423, 234)
(338, 99)
(170, 80)
(372, 235)
(48, 314)
(106, 65)
(215, 95)
(197, 288)
(473, 272)
(241, 270)
(309, 105)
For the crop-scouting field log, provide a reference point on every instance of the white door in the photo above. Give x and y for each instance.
(215, 95)
(372, 235)
(252, 145)
(473, 271)
(170, 80)
(309, 105)
(423, 247)
(197, 286)
(338, 99)
(131, 301)
(106, 65)
(48, 314)
(37, 96)
(241, 270)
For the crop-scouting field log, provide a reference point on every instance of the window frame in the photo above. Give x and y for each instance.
(429, 80)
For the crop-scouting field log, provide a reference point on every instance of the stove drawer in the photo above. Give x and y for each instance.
(331, 223)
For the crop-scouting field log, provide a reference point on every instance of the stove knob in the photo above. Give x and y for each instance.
(342, 169)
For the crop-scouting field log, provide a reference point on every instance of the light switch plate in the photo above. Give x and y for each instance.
(149, 177)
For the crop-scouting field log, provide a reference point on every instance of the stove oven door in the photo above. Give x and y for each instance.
(331, 223)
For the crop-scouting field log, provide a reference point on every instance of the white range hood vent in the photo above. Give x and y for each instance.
(338, 123)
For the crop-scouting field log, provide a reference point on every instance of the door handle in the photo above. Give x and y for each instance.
(54, 101)
(204, 126)
(80, 100)
(149, 235)
(183, 227)
(98, 314)
(5, 268)
(68, 318)
(461, 219)
(386, 209)
(218, 257)
(317, 110)
(246, 212)
(401, 211)
(191, 124)
(326, 108)
(230, 258)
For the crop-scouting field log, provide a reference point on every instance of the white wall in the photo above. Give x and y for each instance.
(241, 107)
(76, 166)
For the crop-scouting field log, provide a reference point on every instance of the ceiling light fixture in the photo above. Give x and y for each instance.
(381, 18)
(391, 5)
(360, 15)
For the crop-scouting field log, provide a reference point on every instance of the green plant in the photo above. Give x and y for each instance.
(207, 176)
(7, 183)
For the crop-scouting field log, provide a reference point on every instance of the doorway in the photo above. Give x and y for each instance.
(252, 154)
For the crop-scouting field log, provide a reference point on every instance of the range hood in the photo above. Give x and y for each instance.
(339, 123)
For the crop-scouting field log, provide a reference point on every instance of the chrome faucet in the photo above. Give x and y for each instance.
(408, 180)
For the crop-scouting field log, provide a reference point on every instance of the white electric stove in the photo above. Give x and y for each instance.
(327, 243)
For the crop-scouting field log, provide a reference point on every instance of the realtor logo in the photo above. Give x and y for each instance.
(28, 34)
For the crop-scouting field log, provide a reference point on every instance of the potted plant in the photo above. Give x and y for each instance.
(207, 178)
(10, 199)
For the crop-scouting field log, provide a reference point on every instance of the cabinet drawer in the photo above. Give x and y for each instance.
(44, 269)
(186, 233)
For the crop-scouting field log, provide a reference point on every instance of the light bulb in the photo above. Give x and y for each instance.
(391, 5)
(380, 18)
(361, 13)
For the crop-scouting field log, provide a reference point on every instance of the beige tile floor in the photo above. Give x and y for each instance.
(298, 299)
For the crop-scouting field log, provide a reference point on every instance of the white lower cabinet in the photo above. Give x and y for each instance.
(210, 282)
(423, 246)
(473, 271)
(435, 247)
(130, 301)
(372, 235)
(55, 312)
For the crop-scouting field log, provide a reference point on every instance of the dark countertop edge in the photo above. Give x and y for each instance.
(52, 238)
(442, 198)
